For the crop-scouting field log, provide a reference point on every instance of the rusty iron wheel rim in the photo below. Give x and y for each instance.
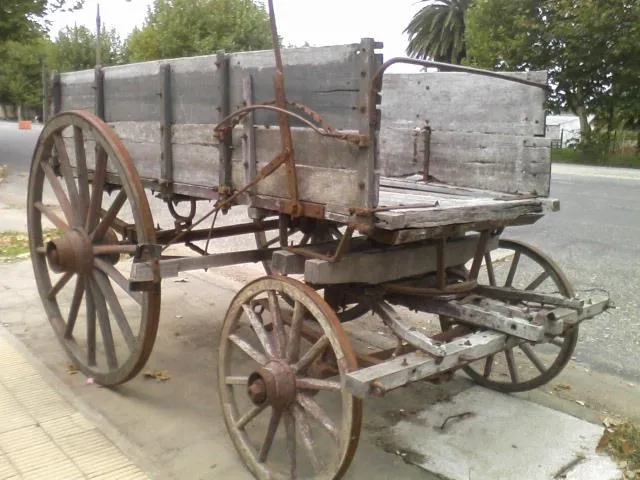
(481, 371)
(100, 289)
(255, 384)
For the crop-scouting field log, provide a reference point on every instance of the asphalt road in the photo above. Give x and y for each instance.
(594, 238)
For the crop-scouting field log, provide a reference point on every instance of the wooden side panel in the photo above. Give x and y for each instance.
(78, 92)
(502, 163)
(464, 102)
(485, 132)
(131, 92)
(325, 79)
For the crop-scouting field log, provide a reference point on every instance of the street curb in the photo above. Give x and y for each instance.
(103, 425)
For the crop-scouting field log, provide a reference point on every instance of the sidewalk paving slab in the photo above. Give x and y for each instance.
(44, 436)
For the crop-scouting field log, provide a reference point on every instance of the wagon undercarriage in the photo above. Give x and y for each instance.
(395, 215)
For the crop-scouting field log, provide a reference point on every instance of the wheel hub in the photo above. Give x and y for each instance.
(275, 384)
(72, 252)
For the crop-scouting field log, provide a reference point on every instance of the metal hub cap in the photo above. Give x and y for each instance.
(274, 384)
(72, 252)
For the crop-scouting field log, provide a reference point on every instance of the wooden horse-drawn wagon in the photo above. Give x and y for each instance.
(365, 192)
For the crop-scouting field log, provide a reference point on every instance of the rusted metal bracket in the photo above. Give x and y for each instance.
(283, 119)
(99, 87)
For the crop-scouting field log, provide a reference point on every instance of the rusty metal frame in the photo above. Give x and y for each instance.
(166, 153)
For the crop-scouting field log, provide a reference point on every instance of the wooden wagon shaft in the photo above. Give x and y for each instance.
(143, 272)
(405, 369)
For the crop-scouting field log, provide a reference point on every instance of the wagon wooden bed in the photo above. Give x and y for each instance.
(365, 191)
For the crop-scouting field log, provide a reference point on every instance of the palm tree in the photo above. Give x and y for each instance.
(437, 31)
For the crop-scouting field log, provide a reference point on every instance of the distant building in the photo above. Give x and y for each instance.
(564, 130)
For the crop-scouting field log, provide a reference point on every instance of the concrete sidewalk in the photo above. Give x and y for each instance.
(42, 435)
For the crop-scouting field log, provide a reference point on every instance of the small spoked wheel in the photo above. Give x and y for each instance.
(281, 381)
(527, 365)
(312, 232)
(87, 210)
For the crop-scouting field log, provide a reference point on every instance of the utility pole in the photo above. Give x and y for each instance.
(98, 27)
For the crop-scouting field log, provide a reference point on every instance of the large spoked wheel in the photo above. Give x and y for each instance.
(527, 365)
(81, 234)
(312, 232)
(281, 381)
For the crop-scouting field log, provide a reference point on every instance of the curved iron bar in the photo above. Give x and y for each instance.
(240, 113)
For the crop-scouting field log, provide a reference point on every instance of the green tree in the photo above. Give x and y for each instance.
(437, 31)
(179, 28)
(21, 73)
(75, 49)
(589, 48)
(24, 19)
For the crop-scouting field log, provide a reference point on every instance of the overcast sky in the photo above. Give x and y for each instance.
(321, 22)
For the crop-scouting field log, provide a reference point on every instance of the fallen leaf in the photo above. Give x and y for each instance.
(181, 280)
(71, 369)
(604, 442)
(160, 375)
(562, 386)
(580, 402)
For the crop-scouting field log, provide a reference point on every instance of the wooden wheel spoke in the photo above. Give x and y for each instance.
(244, 420)
(488, 365)
(81, 169)
(293, 343)
(67, 174)
(117, 277)
(104, 324)
(512, 269)
(58, 191)
(538, 280)
(311, 354)
(251, 352)
(52, 217)
(270, 435)
(307, 438)
(236, 380)
(490, 272)
(259, 330)
(110, 216)
(97, 188)
(59, 285)
(290, 430)
(91, 327)
(112, 300)
(315, 411)
(279, 334)
(511, 364)
(78, 293)
(531, 355)
(318, 384)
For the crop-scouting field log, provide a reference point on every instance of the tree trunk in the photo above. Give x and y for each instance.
(19, 108)
(585, 128)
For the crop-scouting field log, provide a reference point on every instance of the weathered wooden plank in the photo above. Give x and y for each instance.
(464, 102)
(502, 163)
(499, 211)
(315, 184)
(388, 264)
